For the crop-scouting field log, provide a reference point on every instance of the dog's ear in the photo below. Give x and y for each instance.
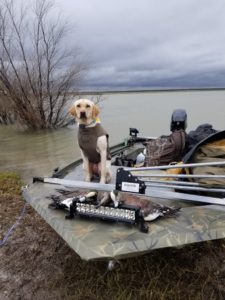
(95, 111)
(72, 111)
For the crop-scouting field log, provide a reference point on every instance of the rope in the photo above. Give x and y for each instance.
(8, 233)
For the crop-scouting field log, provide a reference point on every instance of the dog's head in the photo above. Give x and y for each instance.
(84, 111)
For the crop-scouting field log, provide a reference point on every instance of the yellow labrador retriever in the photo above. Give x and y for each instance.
(92, 140)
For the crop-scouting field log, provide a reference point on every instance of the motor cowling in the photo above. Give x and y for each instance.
(178, 120)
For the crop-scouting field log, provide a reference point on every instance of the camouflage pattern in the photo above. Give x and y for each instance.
(95, 239)
(209, 152)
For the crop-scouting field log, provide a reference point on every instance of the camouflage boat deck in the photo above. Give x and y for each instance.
(98, 240)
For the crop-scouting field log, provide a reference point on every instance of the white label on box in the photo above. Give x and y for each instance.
(130, 187)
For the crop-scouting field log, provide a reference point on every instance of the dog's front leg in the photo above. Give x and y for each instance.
(102, 148)
(103, 167)
(86, 167)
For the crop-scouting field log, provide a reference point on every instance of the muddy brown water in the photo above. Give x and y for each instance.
(38, 153)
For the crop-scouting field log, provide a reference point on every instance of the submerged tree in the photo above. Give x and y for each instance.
(6, 110)
(37, 71)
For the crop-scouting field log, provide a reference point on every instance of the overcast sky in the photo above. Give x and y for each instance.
(135, 44)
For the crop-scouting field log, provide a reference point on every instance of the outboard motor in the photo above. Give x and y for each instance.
(178, 120)
(133, 132)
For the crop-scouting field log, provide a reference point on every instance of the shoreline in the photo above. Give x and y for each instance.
(99, 92)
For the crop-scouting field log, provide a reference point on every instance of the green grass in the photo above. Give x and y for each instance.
(10, 183)
(36, 263)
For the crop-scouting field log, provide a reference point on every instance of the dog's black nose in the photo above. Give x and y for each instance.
(82, 114)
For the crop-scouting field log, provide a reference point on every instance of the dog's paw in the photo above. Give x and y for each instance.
(108, 179)
(87, 179)
(103, 181)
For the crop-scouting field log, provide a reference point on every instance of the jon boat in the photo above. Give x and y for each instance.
(201, 217)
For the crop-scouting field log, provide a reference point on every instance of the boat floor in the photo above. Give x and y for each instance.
(96, 239)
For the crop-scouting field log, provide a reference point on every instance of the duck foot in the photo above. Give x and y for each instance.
(143, 225)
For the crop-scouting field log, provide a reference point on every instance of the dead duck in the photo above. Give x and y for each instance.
(149, 209)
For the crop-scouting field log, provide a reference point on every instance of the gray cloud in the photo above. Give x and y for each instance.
(150, 43)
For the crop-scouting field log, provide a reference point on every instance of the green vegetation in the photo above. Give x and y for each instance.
(36, 263)
(10, 184)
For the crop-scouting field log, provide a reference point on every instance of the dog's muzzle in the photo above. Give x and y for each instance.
(83, 115)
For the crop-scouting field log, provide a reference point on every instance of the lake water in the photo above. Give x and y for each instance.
(39, 153)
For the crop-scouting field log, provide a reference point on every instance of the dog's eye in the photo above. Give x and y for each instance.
(78, 105)
(87, 106)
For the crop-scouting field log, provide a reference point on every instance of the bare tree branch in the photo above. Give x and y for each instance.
(34, 68)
